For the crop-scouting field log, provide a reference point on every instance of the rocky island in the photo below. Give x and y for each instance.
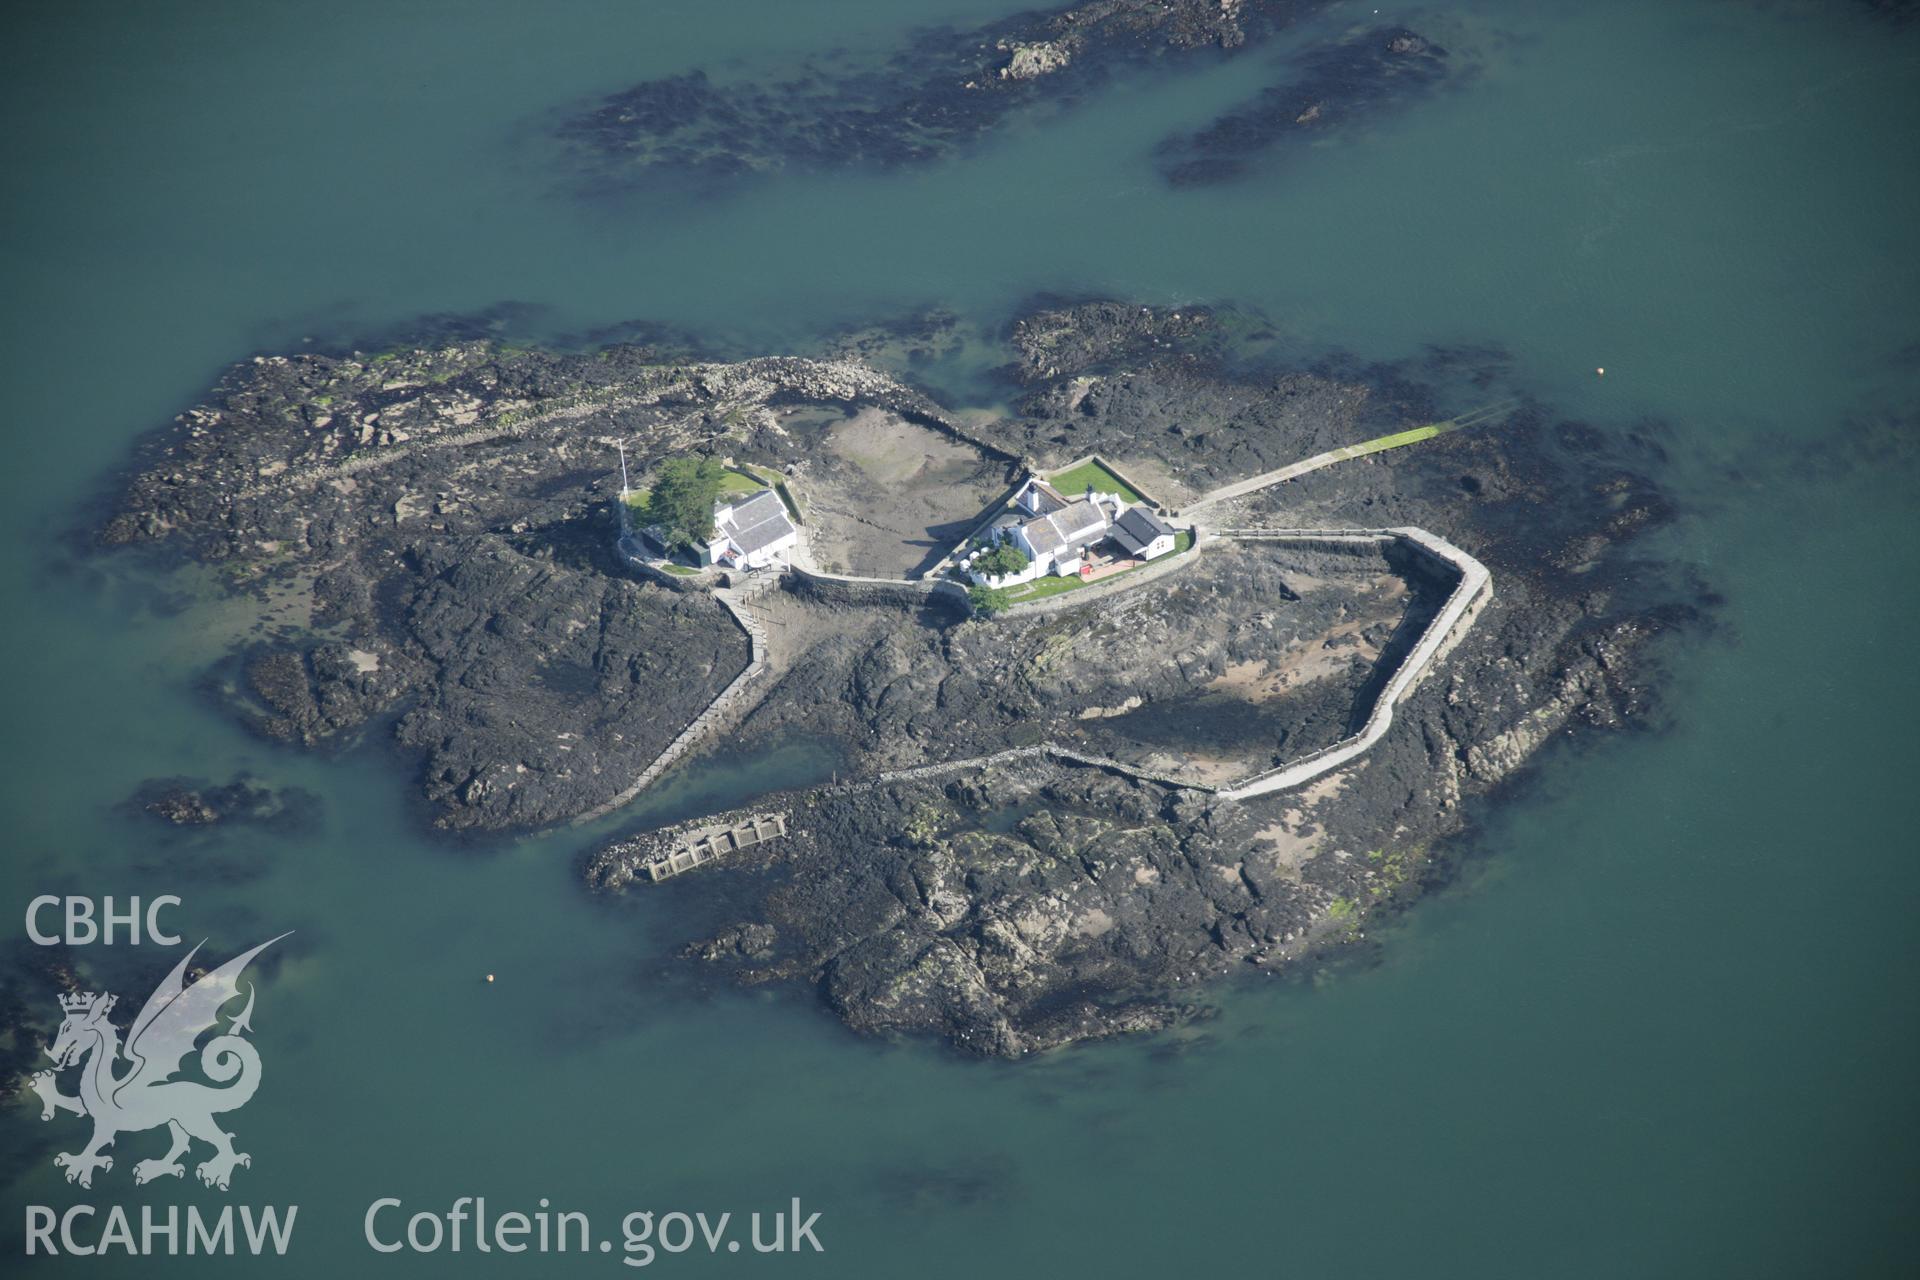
(1045, 825)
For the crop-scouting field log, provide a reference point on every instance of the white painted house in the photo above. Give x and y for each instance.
(751, 532)
(1057, 542)
(1142, 534)
(1060, 533)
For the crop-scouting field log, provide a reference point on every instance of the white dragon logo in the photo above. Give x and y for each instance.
(146, 1096)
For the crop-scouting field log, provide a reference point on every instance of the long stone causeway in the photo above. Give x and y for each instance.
(1294, 470)
(735, 601)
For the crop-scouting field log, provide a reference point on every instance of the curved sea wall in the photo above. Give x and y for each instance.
(1463, 605)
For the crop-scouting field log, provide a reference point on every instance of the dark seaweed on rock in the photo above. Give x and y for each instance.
(942, 89)
(198, 802)
(449, 509)
(530, 688)
(1326, 88)
(1120, 379)
(576, 678)
(1899, 13)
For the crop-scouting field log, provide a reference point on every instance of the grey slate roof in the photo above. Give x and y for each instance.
(1137, 526)
(1076, 525)
(757, 521)
(1045, 539)
(1079, 523)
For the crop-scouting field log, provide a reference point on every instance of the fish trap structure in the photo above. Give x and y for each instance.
(698, 847)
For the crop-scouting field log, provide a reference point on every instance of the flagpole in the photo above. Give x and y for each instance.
(621, 445)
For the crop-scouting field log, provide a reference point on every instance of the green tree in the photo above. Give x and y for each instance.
(1001, 561)
(682, 496)
(989, 600)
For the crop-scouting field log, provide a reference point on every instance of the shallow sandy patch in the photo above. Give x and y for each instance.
(886, 497)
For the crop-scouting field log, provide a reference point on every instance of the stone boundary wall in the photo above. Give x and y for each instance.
(654, 573)
(1473, 587)
(1118, 474)
(928, 414)
(695, 729)
(1028, 472)
(1050, 750)
(777, 480)
(1337, 541)
(892, 591)
(994, 510)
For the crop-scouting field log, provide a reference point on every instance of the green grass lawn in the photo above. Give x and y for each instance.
(1394, 441)
(732, 484)
(1040, 588)
(1073, 482)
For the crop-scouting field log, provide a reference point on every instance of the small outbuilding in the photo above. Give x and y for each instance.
(1142, 533)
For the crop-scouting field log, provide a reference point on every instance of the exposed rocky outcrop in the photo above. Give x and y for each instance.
(1017, 908)
(943, 88)
(197, 802)
(1219, 672)
(448, 511)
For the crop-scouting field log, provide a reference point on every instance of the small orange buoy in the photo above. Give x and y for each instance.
(489, 977)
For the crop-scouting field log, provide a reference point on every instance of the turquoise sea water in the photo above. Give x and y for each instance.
(1663, 1024)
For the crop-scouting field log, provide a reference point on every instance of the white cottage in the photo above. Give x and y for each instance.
(751, 532)
(1056, 542)
(1060, 532)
